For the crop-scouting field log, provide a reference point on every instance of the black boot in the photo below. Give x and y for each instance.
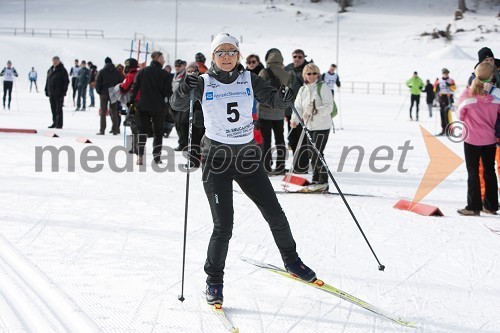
(214, 293)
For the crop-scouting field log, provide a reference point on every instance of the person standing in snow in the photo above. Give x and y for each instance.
(444, 88)
(83, 81)
(429, 98)
(331, 78)
(179, 106)
(314, 103)
(480, 112)
(74, 72)
(33, 76)
(56, 88)
(226, 93)
(93, 75)
(106, 78)
(155, 87)
(295, 69)
(272, 121)
(8, 73)
(416, 85)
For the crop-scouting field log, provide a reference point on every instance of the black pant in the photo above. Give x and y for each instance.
(115, 128)
(181, 120)
(445, 102)
(487, 156)
(31, 85)
(74, 85)
(300, 154)
(320, 138)
(256, 185)
(414, 99)
(266, 128)
(56, 105)
(144, 118)
(7, 89)
(82, 94)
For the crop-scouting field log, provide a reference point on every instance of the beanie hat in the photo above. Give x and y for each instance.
(193, 65)
(268, 53)
(132, 63)
(224, 38)
(445, 71)
(484, 53)
(199, 57)
(179, 62)
(108, 60)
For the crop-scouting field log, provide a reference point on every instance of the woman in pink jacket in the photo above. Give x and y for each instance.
(479, 111)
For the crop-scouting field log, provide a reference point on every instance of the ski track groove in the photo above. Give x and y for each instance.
(283, 302)
(157, 314)
(63, 309)
(259, 313)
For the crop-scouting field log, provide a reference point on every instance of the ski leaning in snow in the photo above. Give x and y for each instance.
(319, 284)
(219, 312)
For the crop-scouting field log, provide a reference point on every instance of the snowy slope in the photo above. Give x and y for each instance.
(102, 251)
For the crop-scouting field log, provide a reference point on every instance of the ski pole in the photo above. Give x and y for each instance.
(321, 158)
(294, 159)
(190, 136)
(401, 108)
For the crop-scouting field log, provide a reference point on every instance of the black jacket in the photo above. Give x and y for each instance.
(429, 90)
(155, 85)
(57, 81)
(106, 78)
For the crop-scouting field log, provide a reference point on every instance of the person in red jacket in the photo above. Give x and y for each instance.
(131, 68)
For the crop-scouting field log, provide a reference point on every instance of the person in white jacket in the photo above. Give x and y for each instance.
(314, 104)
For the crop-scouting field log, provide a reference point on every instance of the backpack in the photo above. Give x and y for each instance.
(273, 80)
(334, 111)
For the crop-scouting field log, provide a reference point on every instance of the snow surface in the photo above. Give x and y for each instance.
(102, 251)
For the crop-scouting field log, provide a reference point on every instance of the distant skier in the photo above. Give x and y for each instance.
(8, 73)
(33, 76)
(74, 72)
(416, 85)
(331, 78)
(444, 88)
(230, 154)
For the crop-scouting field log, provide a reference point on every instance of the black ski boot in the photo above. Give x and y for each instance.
(214, 293)
(300, 270)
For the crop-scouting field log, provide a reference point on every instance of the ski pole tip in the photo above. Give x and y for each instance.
(181, 298)
(381, 267)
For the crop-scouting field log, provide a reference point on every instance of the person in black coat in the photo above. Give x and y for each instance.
(155, 86)
(106, 78)
(429, 91)
(56, 87)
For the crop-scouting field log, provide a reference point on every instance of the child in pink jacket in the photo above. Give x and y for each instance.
(479, 111)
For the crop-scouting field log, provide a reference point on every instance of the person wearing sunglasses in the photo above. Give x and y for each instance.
(253, 64)
(480, 111)
(295, 68)
(229, 153)
(314, 103)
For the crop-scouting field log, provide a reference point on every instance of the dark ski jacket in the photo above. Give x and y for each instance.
(106, 78)
(429, 90)
(263, 93)
(57, 81)
(155, 85)
(84, 77)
